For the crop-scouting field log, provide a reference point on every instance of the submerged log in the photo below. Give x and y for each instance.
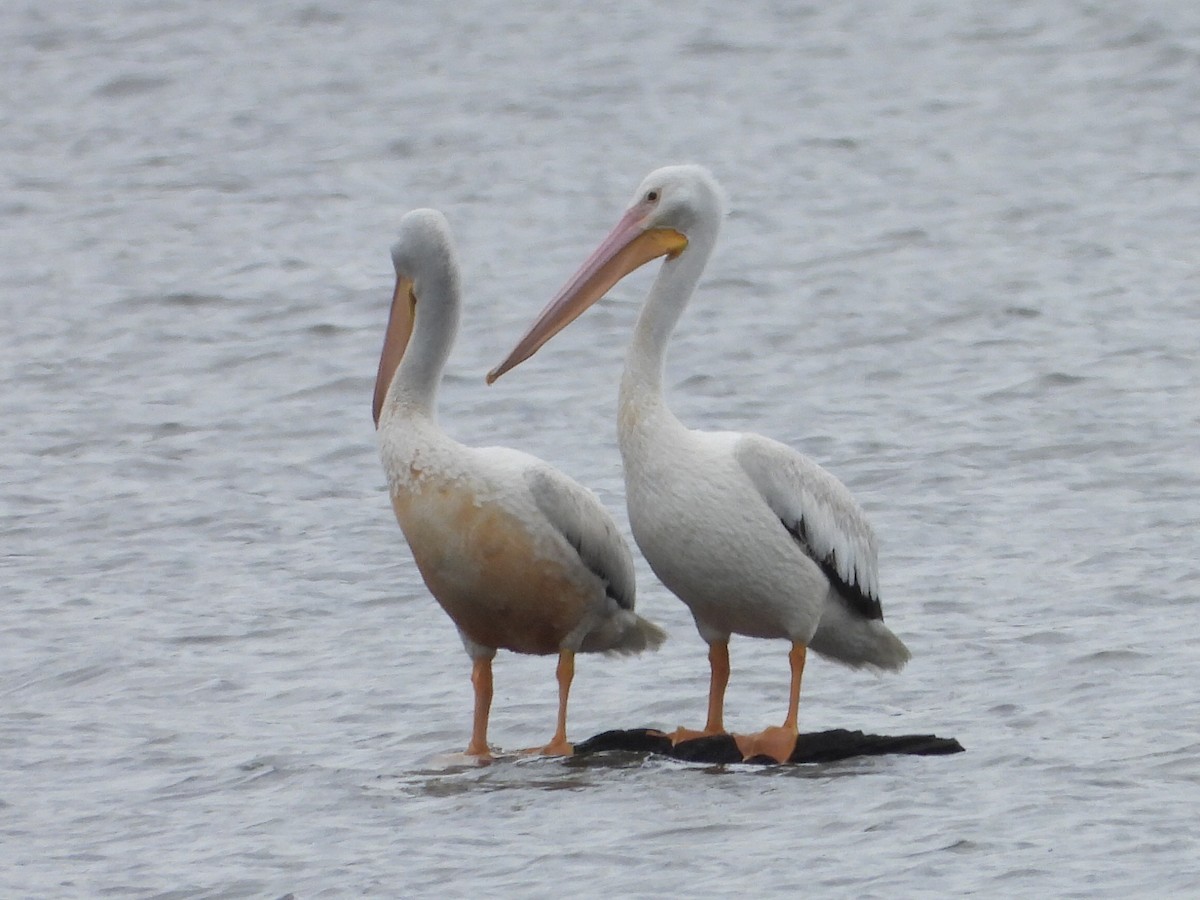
(814, 747)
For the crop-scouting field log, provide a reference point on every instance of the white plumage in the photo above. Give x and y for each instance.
(755, 538)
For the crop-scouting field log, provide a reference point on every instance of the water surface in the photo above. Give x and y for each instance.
(959, 269)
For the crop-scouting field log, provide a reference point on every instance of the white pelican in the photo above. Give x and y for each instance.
(519, 555)
(755, 538)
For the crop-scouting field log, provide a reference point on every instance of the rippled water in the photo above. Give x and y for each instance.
(960, 269)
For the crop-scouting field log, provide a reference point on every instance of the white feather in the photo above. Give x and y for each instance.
(800, 491)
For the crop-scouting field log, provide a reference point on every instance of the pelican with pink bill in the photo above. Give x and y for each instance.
(755, 538)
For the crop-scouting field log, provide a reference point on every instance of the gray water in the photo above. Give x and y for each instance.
(960, 270)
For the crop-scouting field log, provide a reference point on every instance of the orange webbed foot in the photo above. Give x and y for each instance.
(681, 734)
(777, 742)
(460, 758)
(480, 753)
(556, 747)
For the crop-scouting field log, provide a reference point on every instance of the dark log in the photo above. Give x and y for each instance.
(814, 747)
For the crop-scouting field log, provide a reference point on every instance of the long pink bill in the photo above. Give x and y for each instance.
(628, 246)
(395, 342)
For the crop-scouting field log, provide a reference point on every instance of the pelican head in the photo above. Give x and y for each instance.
(671, 207)
(680, 198)
(423, 257)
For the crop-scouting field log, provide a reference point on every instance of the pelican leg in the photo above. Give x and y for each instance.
(481, 680)
(779, 741)
(559, 746)
(796, 657)
(718, 665)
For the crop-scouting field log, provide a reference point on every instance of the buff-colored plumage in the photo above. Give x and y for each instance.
(519, 556)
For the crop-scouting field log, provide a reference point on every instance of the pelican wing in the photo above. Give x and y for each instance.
(581, 518)
(819, 512)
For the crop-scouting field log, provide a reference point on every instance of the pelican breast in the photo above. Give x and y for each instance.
(498, 572)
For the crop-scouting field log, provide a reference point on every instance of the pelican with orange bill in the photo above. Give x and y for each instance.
(519, 556)
(755, 538)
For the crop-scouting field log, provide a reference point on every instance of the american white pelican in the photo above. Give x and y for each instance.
(519, 555)
(755, 538)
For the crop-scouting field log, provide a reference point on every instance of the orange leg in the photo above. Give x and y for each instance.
(481, 679)
(796, 657)
(779, 741)
(718, 664)
(558, 745)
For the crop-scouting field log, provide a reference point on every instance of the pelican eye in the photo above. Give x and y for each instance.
(651, 196)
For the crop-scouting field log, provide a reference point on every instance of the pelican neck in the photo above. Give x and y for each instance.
(645, 363)
(415, 384)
